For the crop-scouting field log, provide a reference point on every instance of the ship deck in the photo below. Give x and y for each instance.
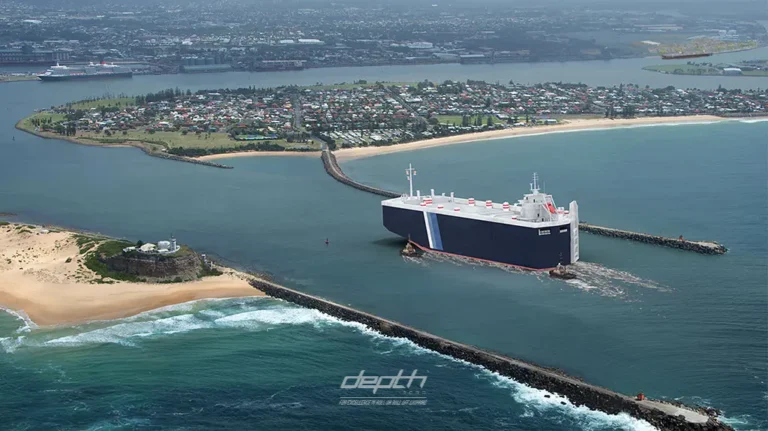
(481, 210)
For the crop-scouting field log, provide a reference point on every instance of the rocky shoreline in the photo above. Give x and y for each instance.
(578, 392)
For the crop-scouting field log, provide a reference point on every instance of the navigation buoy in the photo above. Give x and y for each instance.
(326, 241)
(640, 396)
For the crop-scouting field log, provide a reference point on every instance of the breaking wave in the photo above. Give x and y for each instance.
(256, 314)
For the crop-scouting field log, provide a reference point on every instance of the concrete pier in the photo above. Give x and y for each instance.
(704, 247)
(664, 416)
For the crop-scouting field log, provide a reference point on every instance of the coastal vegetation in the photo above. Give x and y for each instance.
(181, 124)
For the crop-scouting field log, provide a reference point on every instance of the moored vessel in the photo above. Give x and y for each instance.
(532, 233)
(90, 71)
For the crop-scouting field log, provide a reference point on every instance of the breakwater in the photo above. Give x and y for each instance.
(664, 416)
(705, 247)
(334, 170)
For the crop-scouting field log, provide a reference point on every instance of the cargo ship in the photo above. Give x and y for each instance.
(90, 71)
(682, 56)
(532, 233)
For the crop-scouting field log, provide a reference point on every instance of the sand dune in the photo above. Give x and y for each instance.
(37, 280)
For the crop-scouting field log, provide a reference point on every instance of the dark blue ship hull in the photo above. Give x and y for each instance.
(524, 247)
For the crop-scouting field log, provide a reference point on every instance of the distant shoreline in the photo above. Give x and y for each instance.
(574, 125)
(42, 278)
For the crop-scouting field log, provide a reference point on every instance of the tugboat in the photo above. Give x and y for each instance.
(561, 273)
(410, 251)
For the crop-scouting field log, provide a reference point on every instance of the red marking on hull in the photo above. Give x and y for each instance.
(525, 268)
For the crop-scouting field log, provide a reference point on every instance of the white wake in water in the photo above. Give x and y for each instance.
(591, 277)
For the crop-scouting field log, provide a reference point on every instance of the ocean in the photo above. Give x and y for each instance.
(640, 318)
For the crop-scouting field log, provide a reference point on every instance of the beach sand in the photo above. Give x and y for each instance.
(572, 125)
(260, 154)
(37, 281)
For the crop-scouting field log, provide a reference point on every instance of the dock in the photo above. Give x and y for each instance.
(660, 414)
(704, 247)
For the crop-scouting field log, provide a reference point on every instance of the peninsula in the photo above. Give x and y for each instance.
(366, 117)
(55, 276)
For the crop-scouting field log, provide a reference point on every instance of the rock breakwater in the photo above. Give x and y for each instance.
(704, 247)
(660, 415)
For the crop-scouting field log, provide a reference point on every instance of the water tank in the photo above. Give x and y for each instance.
(188, 61)
(199, 61)
(164, 245)
(209, 60)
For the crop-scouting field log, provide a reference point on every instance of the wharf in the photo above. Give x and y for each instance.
(704, 247)
(662, 415)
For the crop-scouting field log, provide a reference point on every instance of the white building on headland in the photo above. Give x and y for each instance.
(162, 247)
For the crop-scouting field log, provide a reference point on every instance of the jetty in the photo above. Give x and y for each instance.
(704, 247)
(661, 414)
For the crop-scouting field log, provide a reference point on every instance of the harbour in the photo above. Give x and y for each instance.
(333, 169)
(630, 324)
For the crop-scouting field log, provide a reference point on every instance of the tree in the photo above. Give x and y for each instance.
(489, 121)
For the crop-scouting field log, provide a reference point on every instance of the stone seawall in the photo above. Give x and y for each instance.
(578, 392)
(704, 247)
(332, 168)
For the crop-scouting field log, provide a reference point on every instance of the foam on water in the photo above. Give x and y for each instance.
(590, 276)
(242, 315)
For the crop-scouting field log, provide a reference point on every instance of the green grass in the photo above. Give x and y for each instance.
(684, 69)
(177, 139)
(456, 119)
(106, 103)
(4, 223)
(26, 123)
(695, 69)
(105, 250)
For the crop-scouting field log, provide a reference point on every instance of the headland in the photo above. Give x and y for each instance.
(55, 276)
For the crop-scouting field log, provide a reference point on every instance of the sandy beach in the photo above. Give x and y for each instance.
(260, 154)
(573, 125)
(37, 281)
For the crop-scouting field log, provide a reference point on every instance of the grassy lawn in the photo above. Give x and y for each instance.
(27, 122)
(176, 139)
(106, 103)
(456, 119)
(684, 69)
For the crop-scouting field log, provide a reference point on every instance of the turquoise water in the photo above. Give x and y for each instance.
(641, 318)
